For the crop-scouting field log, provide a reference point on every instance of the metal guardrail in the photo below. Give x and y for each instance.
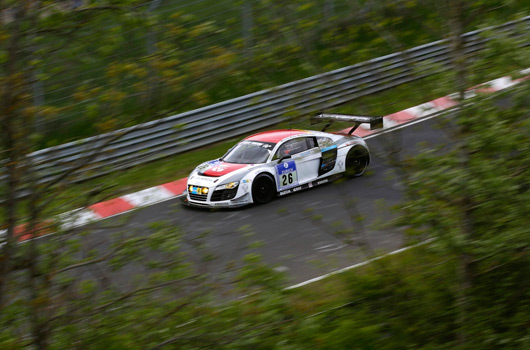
(185, 131)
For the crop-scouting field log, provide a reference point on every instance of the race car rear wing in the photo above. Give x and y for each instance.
(375, 122)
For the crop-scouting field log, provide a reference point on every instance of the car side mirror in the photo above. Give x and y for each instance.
(284, 157)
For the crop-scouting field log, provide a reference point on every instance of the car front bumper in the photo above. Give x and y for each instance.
(232, 203)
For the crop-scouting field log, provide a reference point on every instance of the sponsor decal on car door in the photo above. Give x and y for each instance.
(287, 175)
(302, 163)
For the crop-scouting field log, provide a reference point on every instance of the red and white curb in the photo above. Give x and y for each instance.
(432, 107)
(99, 211)
(157, 194)
(120, 205)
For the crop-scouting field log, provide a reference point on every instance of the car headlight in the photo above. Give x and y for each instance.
(198, 190)
(228, 186)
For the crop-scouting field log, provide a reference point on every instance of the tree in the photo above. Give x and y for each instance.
(67, 290)
(40, 288)
(467, 290)
(473, 197)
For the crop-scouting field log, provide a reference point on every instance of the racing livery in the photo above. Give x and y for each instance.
(279, 162)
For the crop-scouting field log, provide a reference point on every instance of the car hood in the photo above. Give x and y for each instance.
(226, 172)
(220, 168)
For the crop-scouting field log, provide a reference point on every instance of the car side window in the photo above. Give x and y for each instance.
(325, 142)
(294, 146)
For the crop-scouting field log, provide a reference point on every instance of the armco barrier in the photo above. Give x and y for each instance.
(182, 132)
(157, 194)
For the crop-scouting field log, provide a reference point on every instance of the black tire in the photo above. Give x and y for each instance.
(263, 189)
(357, 161)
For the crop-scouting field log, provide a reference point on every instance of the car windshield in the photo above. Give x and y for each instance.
(249, 152)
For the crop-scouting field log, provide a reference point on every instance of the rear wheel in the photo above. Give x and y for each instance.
(263, 189)
(357, 160)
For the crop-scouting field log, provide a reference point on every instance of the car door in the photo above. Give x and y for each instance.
(299, 162)
(329, 154)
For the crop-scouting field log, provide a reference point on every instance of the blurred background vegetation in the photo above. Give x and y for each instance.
(147, 59)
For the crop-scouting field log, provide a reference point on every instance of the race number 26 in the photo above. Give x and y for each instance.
(287, 175)
(287, 179)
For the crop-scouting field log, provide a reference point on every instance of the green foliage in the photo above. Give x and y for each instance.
(100, 70)
(473, 198)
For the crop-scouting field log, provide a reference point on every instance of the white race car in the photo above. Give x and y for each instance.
(279, 162)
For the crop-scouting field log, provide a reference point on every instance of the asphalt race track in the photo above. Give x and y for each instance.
(292, 242)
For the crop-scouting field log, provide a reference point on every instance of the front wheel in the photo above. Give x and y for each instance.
(357, 160)
(263, 189)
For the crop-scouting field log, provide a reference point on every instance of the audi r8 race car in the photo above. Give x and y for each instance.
(279, 162)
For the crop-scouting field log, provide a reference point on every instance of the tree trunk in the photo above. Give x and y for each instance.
(10, 99)
(456, 10)
(456, 27)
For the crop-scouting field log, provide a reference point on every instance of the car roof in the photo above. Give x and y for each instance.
(275, 136)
